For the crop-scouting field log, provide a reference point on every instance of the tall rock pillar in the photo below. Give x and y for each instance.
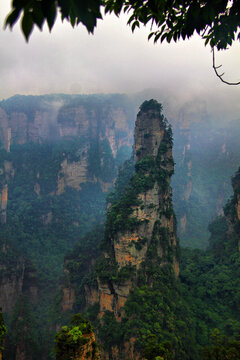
(140, 227)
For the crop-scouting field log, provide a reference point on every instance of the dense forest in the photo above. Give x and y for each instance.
(54, 232)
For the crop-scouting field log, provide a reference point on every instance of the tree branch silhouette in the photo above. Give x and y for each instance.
(220, 76)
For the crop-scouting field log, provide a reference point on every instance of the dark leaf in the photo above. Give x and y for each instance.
(118, 7)
(151, 35)
(51, 14)
(37, 15)
(13, 17)
(163, 37)
(65, 6)
(136, 23)
(27, 24)
(72, 18)
(169, 37)
(157, 37)
(175, 36)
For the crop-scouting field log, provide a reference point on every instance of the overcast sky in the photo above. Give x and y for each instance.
(114, 60)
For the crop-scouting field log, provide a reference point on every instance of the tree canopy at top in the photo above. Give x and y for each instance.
(217, 21)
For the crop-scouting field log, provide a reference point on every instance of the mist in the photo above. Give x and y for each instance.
(114, 60)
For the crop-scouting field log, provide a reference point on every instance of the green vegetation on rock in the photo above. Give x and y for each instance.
(70, 340)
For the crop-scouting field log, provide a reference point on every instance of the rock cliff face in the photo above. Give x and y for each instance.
(152, 212)
(92, 120)
(17, 278)
(141, 226)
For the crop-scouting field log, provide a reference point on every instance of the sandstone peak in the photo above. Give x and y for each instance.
(140, 227)
(149, 129)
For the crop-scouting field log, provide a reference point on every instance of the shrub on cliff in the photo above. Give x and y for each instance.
(70, 339)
